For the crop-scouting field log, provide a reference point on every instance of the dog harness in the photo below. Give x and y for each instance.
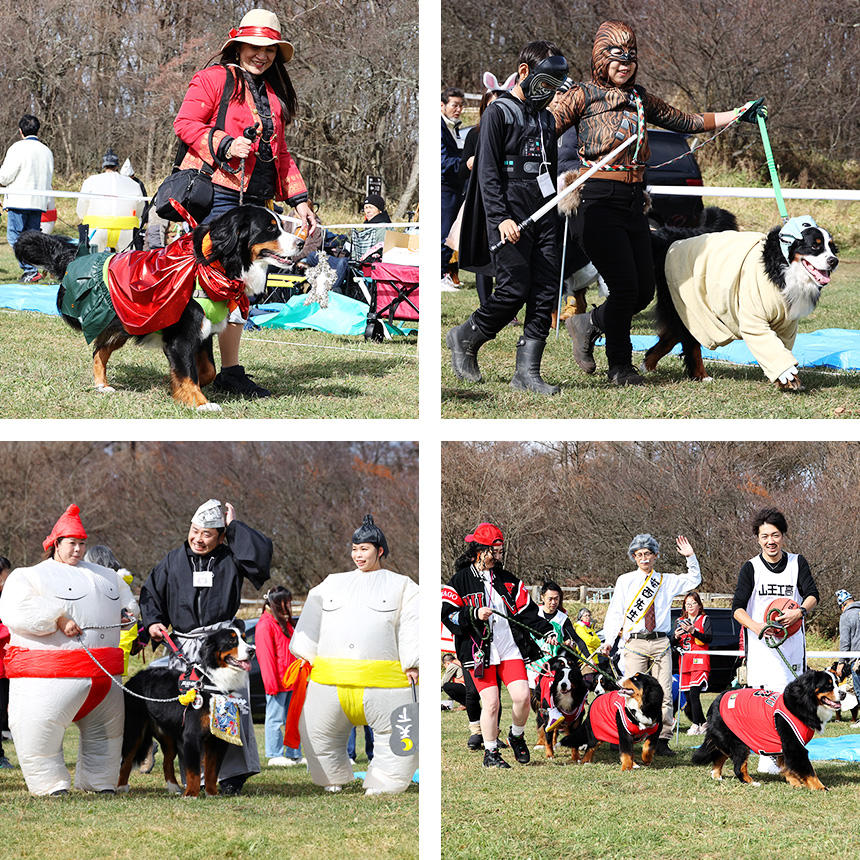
(750, 714)
(602, 716)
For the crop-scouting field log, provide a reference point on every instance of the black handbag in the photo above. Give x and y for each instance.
(192, 188)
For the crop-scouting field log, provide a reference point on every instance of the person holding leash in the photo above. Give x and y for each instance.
(64, 614)
(772, 574)
(849, 640)
(513, 174)
(639, 614)
(611, 221)
(476, 604)
(247, 147)
(198, 587)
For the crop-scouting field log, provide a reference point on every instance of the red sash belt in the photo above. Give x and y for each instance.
(44, 663)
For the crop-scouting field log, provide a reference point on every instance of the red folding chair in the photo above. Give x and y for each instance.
(393, 296)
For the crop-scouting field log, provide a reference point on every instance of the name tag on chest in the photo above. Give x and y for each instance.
(202, 579)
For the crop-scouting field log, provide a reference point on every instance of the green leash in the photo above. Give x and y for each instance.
(761, 115)
(538, 635)
(773, 642)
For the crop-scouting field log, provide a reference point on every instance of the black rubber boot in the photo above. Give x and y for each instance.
(625, 375)
(464, 341)
(584, 333)
(527, 376)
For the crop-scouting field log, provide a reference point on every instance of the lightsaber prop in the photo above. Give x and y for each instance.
(554, 201)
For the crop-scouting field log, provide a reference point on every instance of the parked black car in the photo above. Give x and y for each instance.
(726, 638)
(258, 694)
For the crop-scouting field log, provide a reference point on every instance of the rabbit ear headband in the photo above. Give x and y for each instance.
(491, 82)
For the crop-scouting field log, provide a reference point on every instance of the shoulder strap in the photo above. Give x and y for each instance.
(182, 148)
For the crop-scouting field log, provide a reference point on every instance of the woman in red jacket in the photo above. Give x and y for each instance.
(272, 640)
(248, 148)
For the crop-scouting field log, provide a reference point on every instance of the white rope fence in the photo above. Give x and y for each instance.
(725, 191)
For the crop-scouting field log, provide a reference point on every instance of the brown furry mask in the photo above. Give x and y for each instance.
(614, 40)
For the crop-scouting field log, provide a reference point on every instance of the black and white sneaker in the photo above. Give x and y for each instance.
(520, 748)
(234, 380)
(493, 758)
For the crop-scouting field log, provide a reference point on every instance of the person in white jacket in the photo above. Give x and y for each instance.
(111, 219)
(27, 167)
(53, 610)
(359, 630)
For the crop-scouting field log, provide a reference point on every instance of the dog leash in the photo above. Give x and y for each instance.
(774, 640)
(538, 635)
(761, 115)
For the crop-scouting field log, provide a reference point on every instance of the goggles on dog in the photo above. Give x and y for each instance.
(792, 231)
(541, 83)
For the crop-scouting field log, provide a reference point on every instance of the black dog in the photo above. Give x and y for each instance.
(235, 248)
(632, 712)
(795, 277)
(560, 686)
(770, 724)
(225, 659)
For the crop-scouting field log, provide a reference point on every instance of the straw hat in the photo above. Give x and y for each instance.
(260, 27)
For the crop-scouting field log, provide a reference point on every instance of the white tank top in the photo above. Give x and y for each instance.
(765, 668)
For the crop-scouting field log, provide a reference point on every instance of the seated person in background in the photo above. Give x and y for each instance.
(452, 682)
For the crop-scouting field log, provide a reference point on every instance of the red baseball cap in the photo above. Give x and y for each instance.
(68, 525)
(486, 534)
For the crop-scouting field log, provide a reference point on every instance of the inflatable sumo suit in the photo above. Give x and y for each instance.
(360, 632)
(53, 681)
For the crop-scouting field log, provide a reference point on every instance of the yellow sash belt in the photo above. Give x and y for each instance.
(358, 673)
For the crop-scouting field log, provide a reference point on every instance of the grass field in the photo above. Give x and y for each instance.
(46, 370)
(552, 809)
(280, 813)
(737, 391)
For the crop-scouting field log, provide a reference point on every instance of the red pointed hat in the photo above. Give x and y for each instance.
(68, 525)
(486, 534)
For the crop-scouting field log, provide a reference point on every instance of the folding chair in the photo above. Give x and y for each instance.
(392, 294)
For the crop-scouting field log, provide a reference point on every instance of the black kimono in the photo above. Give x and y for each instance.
(170, 597)
(515, 146)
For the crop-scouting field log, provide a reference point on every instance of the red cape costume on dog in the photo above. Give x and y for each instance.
(150, 289)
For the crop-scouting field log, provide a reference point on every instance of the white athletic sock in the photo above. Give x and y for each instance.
(517, 731)
(491, 745)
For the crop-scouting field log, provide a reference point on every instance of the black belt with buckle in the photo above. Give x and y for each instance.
(654, 634)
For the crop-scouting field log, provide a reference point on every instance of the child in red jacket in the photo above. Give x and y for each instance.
(272, 640)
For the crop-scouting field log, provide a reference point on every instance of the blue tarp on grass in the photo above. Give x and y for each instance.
(843, 748)
(343, 315)
(827, 347)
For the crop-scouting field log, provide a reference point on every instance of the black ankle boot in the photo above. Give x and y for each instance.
(625, 374)
(584, 333)
(464, 341)
(527, 376)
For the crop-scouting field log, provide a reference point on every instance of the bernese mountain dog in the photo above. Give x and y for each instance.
(222, 665)
(155, 293)
(631, 713)
(769, 723)
(729, 290)
(560, 686)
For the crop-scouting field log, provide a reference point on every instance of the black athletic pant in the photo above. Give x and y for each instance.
(527, 273)
(484, 285)
(694, 697)
(615, 235)
(455, 691)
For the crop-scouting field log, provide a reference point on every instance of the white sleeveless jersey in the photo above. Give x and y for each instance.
(765, 668)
